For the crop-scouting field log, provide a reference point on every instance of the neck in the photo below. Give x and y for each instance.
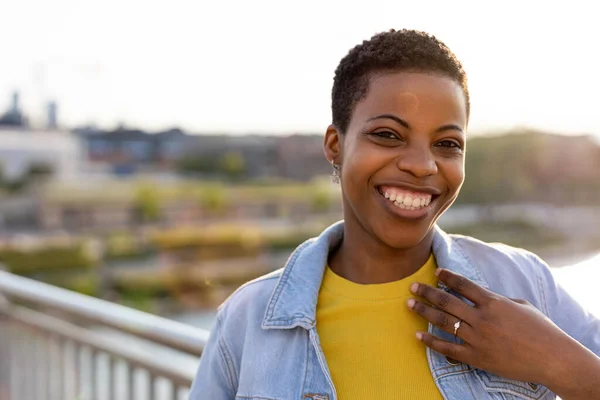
(364, 259)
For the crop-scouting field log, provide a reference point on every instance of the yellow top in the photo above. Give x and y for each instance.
(368, 336)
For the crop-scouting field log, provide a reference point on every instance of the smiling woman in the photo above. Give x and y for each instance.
(384, 304)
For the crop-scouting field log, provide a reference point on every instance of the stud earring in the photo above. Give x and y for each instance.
(335, 176)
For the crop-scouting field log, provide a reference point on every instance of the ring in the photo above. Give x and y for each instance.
(456, 326)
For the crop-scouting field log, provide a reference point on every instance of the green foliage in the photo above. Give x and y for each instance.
(87, 284)
(148, 203)
(233, 165)
(124, 246)
(287, 241)
(322, 199)
(514, 232)
(50, 257)
(199, 165)
(39, 170)
(531, 166)
(214, 198)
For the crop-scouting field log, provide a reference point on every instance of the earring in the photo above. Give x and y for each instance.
(335, 176)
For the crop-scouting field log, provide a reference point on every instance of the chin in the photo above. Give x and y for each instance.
(409, 238)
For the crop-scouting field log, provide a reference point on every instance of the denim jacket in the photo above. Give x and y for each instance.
(265, 345)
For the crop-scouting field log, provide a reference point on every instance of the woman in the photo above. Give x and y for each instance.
(385, 305)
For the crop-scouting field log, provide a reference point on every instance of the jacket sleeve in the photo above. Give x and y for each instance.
(566, 312)
(214, 378)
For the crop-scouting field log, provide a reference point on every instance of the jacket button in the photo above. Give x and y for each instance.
(452, 361)
(533, 386)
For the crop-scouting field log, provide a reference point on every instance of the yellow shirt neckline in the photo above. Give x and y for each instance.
(340, 286)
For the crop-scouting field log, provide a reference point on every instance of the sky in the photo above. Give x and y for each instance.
(267, 66)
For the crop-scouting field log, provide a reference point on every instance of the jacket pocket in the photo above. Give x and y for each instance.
(508, 389)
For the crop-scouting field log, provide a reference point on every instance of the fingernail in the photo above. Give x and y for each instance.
(437, 272)
(419, 335)
(414, 287)
(410, 303)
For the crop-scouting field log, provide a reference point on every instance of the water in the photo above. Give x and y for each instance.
(581, 282)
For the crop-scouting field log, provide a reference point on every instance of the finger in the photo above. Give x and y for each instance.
(444, 301)
(458, 352)
(522, 302)
(441, 319)
(463, 286)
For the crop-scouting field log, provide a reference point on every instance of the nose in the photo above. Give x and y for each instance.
(417, 161)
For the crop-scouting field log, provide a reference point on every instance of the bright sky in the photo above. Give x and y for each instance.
(248, 66)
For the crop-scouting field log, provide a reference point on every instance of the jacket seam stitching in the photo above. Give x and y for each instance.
(437, 378)
(224, 364)
(283, 280)
(542, 291)
(230, 366)
(466, 257)
(248, 284)
(305, 364)
(469, 385)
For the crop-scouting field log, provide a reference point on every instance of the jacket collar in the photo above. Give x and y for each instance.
(294, 299)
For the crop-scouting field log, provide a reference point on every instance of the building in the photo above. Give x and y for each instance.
(124, 152)
(21, 149)
(52, 122)
(13, 117)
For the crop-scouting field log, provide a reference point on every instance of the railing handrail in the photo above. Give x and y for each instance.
(157, 329)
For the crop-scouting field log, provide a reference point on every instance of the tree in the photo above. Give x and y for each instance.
(147, 203)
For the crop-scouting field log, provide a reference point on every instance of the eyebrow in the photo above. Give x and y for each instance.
(405, 124)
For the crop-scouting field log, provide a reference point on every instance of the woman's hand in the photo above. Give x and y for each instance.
(507, 337)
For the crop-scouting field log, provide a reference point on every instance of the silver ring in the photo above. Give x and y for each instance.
(456, 326)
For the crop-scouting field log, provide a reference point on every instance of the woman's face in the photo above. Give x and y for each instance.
(402, 156)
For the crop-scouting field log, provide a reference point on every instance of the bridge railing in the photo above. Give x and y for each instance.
(59, 345)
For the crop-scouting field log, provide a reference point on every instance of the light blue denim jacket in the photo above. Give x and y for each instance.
(265, 345)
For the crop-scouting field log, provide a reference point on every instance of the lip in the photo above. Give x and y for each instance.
(414, 215)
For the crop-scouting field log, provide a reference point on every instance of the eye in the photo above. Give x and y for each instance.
(449, 144)
(385, 135)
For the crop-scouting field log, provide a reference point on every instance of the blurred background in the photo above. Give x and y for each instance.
(159, 154)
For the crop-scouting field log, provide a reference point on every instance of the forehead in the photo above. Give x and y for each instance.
(414, 96)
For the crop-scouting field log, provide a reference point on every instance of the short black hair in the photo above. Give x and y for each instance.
(394, 51)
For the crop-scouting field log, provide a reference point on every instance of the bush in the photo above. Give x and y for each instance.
(50, 257)
(124, 246)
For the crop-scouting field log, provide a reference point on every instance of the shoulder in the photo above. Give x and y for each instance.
(252, 295)
(477, 250)
(505, 268)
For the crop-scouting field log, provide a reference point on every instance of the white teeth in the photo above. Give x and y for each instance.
(406, 201)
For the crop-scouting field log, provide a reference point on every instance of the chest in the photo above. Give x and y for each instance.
(291, 365)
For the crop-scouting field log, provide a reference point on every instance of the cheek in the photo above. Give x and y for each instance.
(459, 177)
(454, 171)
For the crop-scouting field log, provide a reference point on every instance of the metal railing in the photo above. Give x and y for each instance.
(60, 345)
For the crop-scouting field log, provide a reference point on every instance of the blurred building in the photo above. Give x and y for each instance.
(13, 117)
(125, 152)
(20, 150)
(295, 157)
(52, 118)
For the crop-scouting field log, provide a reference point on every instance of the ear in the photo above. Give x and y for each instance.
(333, 144)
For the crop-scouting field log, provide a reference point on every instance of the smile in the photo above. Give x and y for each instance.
(408, 200)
